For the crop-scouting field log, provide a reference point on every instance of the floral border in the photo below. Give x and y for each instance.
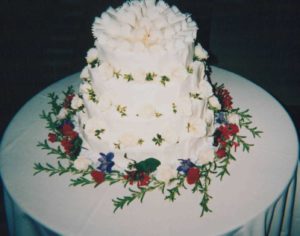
(139, 177)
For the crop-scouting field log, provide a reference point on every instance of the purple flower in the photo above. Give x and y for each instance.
(220, 118)
(106, 162)
(185, 165)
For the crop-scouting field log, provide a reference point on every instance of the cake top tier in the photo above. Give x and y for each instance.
(141, 32)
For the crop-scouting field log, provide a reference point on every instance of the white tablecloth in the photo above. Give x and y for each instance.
(256, 199)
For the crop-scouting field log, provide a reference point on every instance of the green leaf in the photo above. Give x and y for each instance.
(149, 165)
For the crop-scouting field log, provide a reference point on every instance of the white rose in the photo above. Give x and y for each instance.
(214, 102)
(62, 114)
(200, 52)
(85, 73)
(82, 163)
(196, 127)
(128, 140)
(92, 55)
(76, 102)
(205, 89)
(147, 111)
(233, 118)
(206, 156)
(165, 173)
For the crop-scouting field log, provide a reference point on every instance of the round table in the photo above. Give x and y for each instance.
(256, 199)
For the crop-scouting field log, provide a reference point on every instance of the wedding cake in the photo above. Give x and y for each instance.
(144, 95)
(146, 112)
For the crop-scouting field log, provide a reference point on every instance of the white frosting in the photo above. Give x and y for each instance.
(154, 117)
(142, 34)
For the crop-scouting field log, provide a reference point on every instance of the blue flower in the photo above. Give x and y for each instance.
(220, 118)
(185, 165)
(106, 162)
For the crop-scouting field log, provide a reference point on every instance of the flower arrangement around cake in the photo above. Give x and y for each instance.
(146, 114)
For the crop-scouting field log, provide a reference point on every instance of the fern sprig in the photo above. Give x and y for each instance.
(138, 194)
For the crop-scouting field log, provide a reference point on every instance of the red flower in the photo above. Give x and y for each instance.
(67, 144)
(98, 176)
(221, 153)
(144, 180)
(222, 143)
(225, 98)
(68, 100)
(131, 175)
(52, 137)
(225, 132)
(73, 135)
(193, 175)
(67, 130)
(233, 129)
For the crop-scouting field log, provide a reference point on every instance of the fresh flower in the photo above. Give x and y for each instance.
(68, 100)
(225, 98)
(193, 175)
(222, 135)
(67, 145)
(185, 165)
(106, 162)
(98, 176)
(76, 103)
(200, 52)
(142, 178)
(220, 117)
(214, 103)
(82, 163)
(67, 129)
(62, 114)
(131, 176)
(52, 137)
(92, 55)
(221, 153)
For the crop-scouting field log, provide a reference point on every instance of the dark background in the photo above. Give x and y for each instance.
(43, 41)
